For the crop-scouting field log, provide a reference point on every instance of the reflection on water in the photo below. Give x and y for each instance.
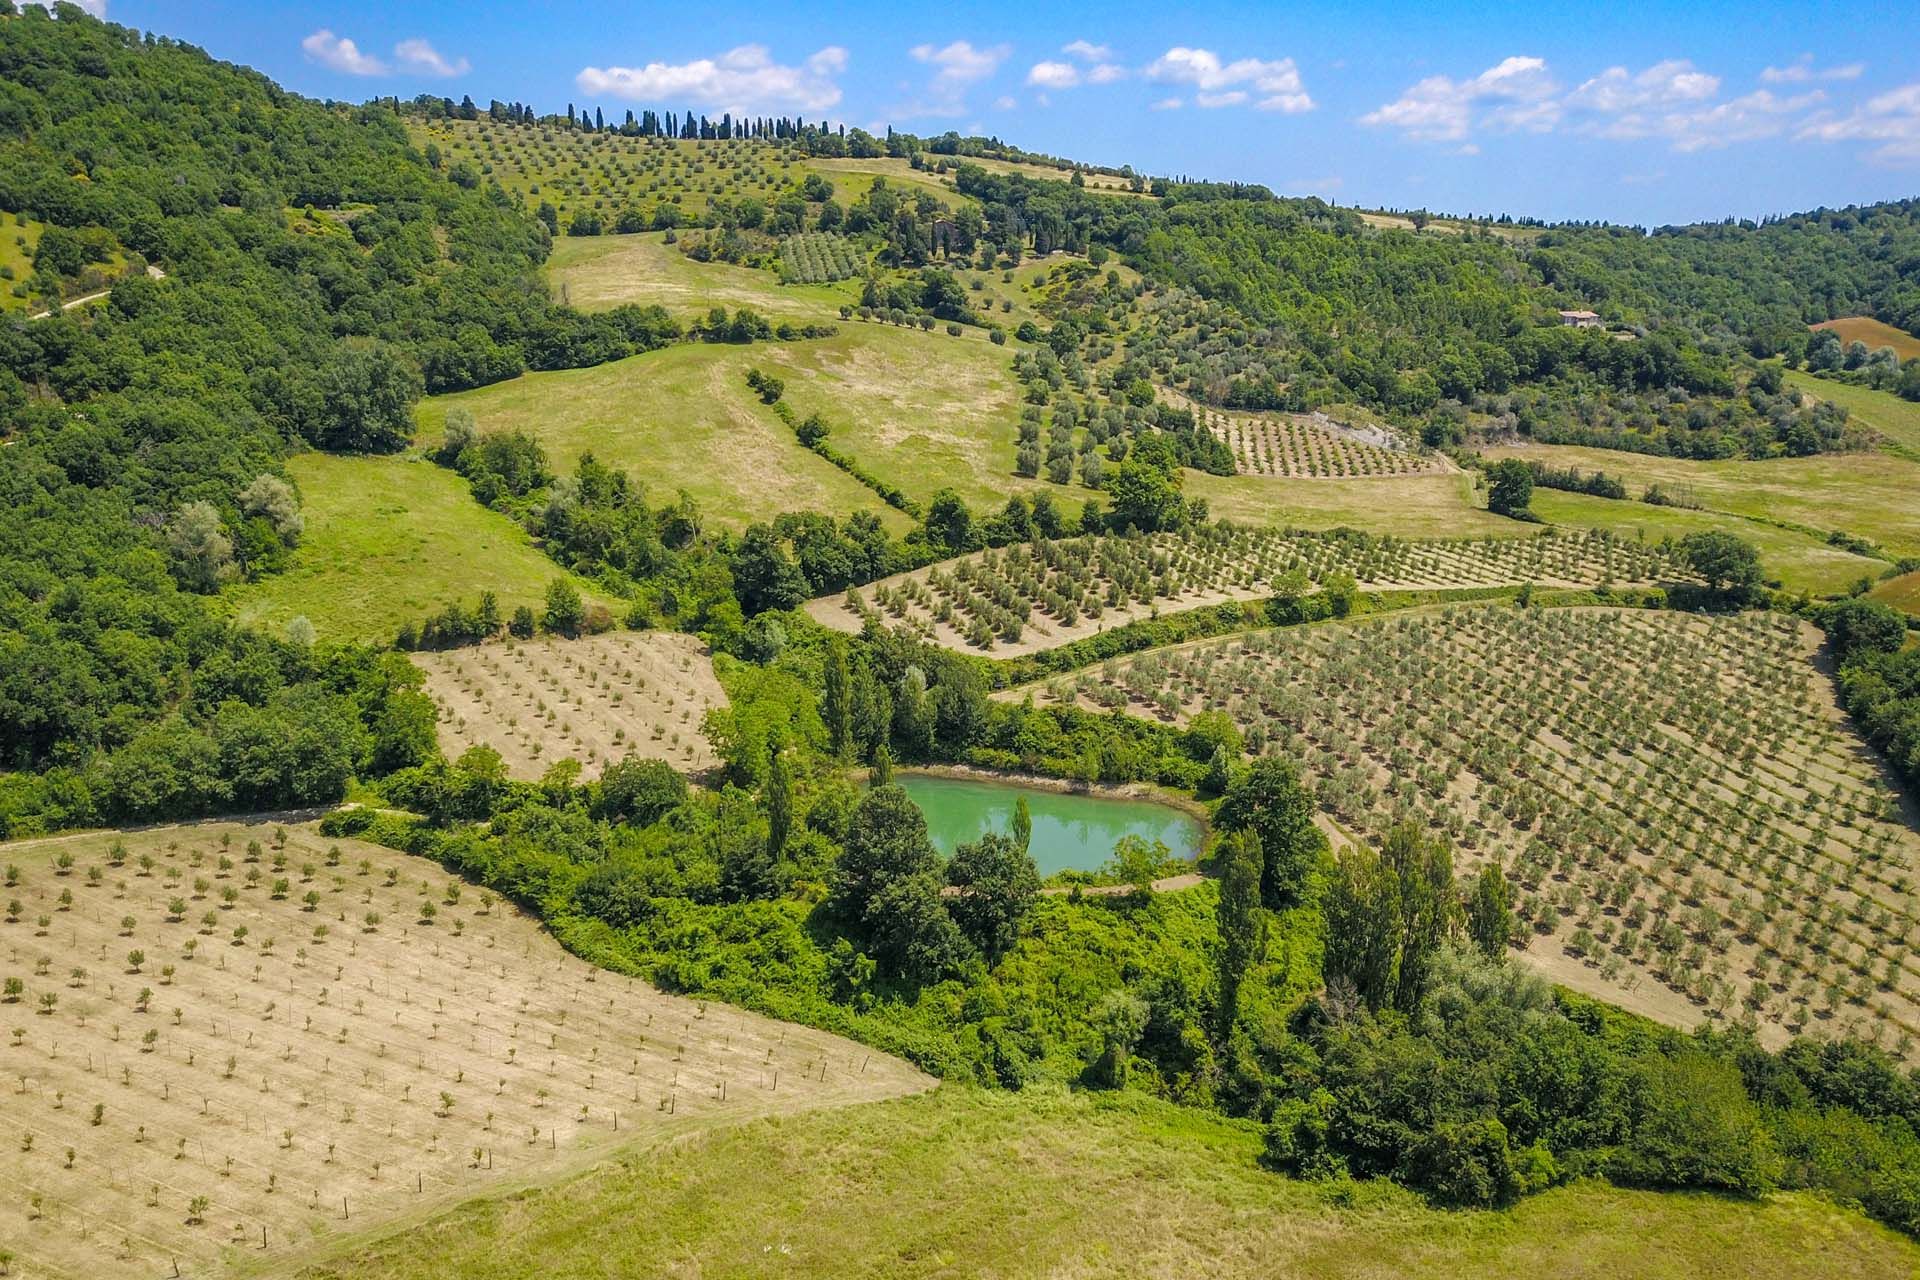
(1070, 831)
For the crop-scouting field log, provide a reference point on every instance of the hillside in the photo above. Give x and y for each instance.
(994, 1182)
(469, 575)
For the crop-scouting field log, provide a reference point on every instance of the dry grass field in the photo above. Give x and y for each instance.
(596, 699)
(1902, 592)
(1869, 494)
(230, 1043)
(1695, 827)
(1874, 333)
(1026, 598)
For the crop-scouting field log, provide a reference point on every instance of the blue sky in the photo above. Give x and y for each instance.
(1626, 111)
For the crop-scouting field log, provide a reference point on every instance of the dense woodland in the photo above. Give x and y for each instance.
(321, 274)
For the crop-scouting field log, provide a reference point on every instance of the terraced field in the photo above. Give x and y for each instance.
(231, 1044)
(1696, 829)
(1030, 597)
(597, 699)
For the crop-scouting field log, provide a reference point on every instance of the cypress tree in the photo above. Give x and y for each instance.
(779, 796)
(838, 705)
(1242, 927)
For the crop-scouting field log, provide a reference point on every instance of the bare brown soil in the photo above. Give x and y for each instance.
(596, 700)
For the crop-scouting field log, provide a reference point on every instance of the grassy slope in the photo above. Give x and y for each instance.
(1902, 592)
(923, 410)
(1897, 419)
(1429, 506)
(679, 418)
(1875, 334)
(1870, 495)
(17, 240)
(1800, 562)
(598, 272)
(389, 540)
(961, 1182)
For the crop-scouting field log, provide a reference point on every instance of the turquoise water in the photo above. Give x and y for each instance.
(1070, 831)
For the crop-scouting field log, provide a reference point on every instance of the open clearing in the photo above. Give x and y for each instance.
(1902, 592)
(1029, 597)
(596, 699)
(390, 540)
(678, 419)
(1042, 1184)
(1419, 506)
(926, 410)
(1892, 417)
(598, 272)
(1874, 333)
(1695, 826)
(327, 1023)
(1869, 494)
(1800, 561)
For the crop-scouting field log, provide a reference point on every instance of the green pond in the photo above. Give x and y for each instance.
(1070, 831)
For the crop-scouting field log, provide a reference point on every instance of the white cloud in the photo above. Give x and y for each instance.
(959, 66)
(418, 55)
(1675, 80)
(1802, 69)
(1441, 109)
(337, 53)
(1277, 85)
(1168, 104)
(740, 79)
(1053, 75)
(1005, 102)
(98, 8)
(960, 63)
(1891, 119)
(1749, 118)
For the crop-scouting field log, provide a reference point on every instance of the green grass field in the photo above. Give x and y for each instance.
(18, 236)
(390, 540)
(1892, 417)
(1423, 506)
(1902, 592)
(1047, 1184)
(1870, 495)
(924, 410)
(1799, 562)
(598, 272)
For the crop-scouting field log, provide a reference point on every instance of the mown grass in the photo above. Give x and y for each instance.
(598, 272)
(1896, 419)
(922, 410)
(1049, 1184)
(1422, 506)
(390, 540)
(1799, 562)
(1869, 495)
